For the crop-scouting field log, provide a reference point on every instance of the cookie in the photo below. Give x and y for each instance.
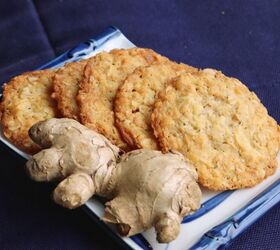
(221, 128)
(135, 98)
(26, 100)
(66, 84)
(102, 76)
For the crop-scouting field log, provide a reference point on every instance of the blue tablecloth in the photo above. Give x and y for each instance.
(241, 38)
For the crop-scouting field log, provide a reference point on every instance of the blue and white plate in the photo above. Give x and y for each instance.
(222, 216)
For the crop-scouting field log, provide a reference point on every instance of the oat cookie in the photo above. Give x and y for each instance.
(135, 98)
(26, 100)
(66, 85)
(220, 126)
(102, 76)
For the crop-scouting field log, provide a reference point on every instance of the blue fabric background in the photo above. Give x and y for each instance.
(241, 38)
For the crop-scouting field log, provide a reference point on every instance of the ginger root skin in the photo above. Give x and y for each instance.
(74, 191)
(153, 189)
(144, 188)
(72, 149)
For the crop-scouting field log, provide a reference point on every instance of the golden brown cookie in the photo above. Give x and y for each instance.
(102, 76)
(26, 100)
(220, 126)
(66, 85)
(135, 99)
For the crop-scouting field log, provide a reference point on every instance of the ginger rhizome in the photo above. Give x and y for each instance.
(152, 189)
(144, 188)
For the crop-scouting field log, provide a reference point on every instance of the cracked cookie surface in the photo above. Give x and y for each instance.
(66, 85)
(26, 100)
(221, 128)
(103, 75)
(135, 98)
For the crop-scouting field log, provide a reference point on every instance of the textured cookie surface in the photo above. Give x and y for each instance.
(26, 100)
(135, 98)
(66, 84)
(102, 76)
(220, 126)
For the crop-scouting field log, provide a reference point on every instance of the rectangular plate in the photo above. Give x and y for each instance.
(222, 216)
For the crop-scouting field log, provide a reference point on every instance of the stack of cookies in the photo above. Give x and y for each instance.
(140, 99)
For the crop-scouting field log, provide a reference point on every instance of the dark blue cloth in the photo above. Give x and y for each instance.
(241, 38)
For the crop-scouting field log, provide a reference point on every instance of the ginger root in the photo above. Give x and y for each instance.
(82, 156)
(152, 189)
(145, 188)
